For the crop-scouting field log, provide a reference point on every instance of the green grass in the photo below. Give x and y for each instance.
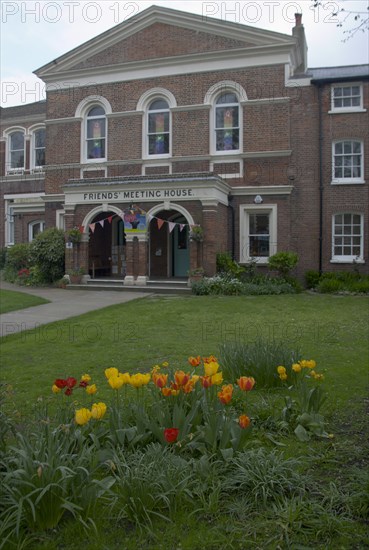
(12, 301)
(333, 330)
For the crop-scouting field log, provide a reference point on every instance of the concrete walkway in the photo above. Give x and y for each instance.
(63, 305)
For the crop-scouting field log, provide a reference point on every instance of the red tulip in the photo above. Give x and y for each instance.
(246, 383)
(171, 434)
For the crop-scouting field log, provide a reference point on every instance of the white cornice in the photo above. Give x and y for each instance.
(156, 14)
(168, 66)
(265, 101)
(264, 154)
(62, 120)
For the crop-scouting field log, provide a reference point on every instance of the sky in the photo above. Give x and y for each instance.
(34, 33)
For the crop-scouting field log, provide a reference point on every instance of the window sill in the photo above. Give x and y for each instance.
(347, 261)
(346, 111)
(348, 182)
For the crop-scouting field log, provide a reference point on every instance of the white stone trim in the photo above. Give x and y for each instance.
(244, 210)
(92, 213)
(171, 206)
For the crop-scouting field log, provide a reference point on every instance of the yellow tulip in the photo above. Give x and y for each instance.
(281, 370)
(138, 380)
(98, 410)
(283, 376)
(296, 367)
(111, 372)
(211, 368)
(217, 379)
(90, 390)
(195, 378)
(82, 416)
(116, 381)
(55, 389)
(86, 378)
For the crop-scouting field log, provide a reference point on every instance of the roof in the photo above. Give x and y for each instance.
(339, 73)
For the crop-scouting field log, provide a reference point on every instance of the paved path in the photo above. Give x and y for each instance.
(63, 305)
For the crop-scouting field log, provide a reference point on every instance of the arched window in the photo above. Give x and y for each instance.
(34, 228)
(158, 126)
(227, 123)
(96, 133)
(16, 151)
(38, 143)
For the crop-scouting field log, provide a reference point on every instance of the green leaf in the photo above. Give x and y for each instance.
(301, 433)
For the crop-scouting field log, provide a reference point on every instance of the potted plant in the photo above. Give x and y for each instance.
(197, 233)
(74, 235)
(75, 275)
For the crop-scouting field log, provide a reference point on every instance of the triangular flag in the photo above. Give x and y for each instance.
(160, 222)
(171, 226)
(182, 226)
(92, 227)
(109, 219)
(101, 222)
(81, 228)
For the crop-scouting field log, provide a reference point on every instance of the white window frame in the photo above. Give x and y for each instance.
(352, 109)
(7, 134)
(33, 166)
(81, 113)
(341, 181)
(351, 258)
(9, 223)
(245, 211)
(31, 225)
(60, 219)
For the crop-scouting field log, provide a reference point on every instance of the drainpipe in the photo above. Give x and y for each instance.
(231, 207)
(320, 179)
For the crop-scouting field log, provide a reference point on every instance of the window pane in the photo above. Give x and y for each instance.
(158, 123)
(355, 90)
(226, 117)
(337, 92)
(40, 157)
(356, 219)
(227, 98)
(347, 91)
(357, 147)
(347, 219)
(259, 246)
(159, 144)
(356, 101)
(347, 250)
(16, 141)
(338, 218)
(40, 138)
(158, 104)
(96, 148)
(17, 159)
(96, 111)
(227, 140)
(96, 128)
(338, 148)
(347, 147)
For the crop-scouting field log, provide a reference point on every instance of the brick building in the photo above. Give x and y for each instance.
(170, 121)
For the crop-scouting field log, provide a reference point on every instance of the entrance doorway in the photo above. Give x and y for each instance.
(107, 246)
(169, 249)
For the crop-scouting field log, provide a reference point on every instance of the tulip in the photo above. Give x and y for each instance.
(210, 359)
(244, 421)
(217, 379)
(225, 395)
(60, 383)
(205, 381)
(55, 389)
(166, 391)
(283, 376)
(86, 378)
(165, 364)
(111, 372)
(181, 377)
(281, 370)
(160, 380)
(71, 382)
(171, 434)
(98, 410)
(211, 368)
(194, 361)
(138, 380)
(296, 367)
(188, 388)
(90, 390)
(116, 381)
(246, 383)
(195, 378)
(82, 416)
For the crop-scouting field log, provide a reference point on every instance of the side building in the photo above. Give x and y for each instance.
(173, 137)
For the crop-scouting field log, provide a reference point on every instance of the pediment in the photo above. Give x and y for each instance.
(160, 33)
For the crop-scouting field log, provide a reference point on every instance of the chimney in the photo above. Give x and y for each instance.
(298, 32)
(298, 18)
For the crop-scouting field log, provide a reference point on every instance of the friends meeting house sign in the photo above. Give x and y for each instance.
(142, 194)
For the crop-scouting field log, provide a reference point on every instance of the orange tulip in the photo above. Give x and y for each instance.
(160, 380)
(225, 395)
(246, 383)
(166, 391)
(181, 378)
(194, 361)
(244, 421)
(206, 381)
(210, 359)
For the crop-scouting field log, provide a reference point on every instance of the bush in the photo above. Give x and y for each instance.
(18, 256)
(226, 265)
(228, 285)
(3, 253)
(47, 254)
(312, 278)
(283, 262)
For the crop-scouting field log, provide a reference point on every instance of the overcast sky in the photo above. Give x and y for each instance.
(34, 33)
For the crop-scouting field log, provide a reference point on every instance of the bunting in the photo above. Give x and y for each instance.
(130, 211)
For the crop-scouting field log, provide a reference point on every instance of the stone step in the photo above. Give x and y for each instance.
(118, 286)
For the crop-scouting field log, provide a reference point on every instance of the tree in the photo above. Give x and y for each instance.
(351, 20)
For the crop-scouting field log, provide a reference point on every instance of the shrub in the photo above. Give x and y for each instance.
(328, 285)
(3, 253)
(47, 253)
(18, 256)
(227, 285)
(226, 265)
(283, 262)
(312, 278)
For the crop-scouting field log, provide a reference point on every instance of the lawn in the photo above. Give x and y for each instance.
(12, 301)
(328, 513)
